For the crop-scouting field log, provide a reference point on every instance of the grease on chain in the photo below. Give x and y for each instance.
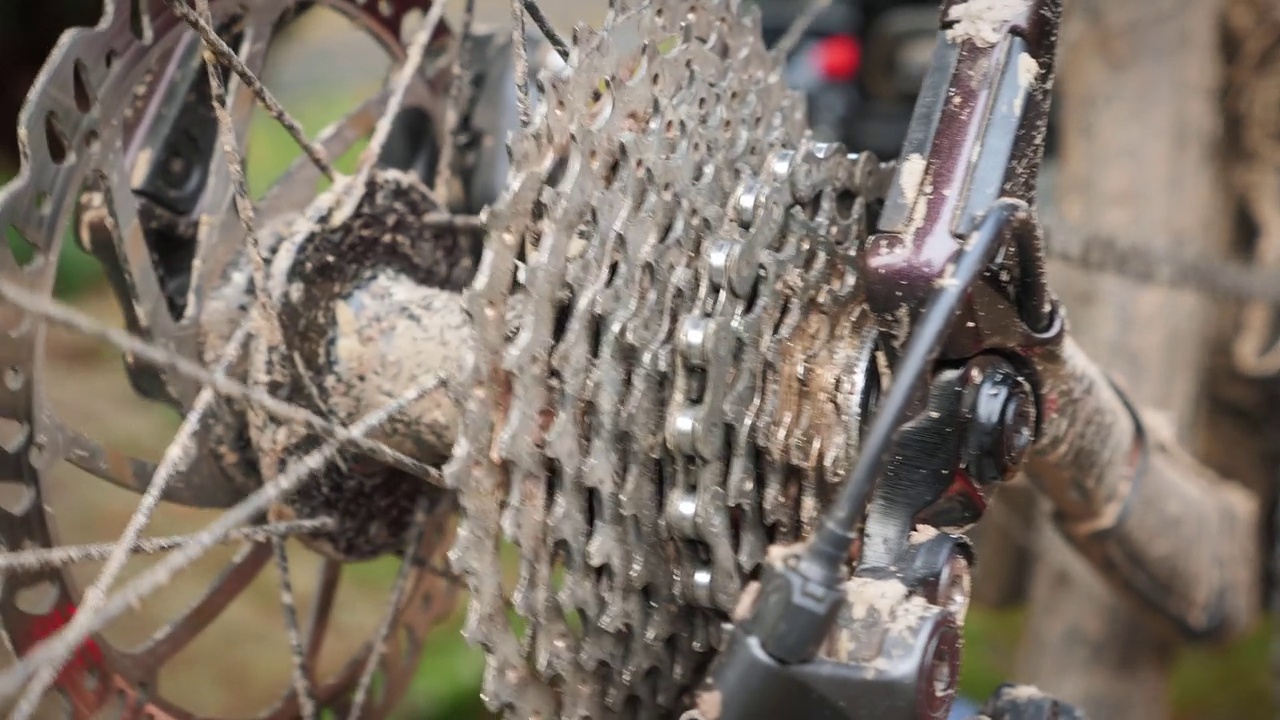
(665, 312)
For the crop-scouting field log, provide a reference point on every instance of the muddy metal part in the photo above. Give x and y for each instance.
(979, 132)
(977, 135)
(118, 138)
(893, 651)
(671, 358)
(606, 290)
(669, 351)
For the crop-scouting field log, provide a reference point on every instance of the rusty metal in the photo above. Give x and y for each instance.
(662, 363)
(669, 349)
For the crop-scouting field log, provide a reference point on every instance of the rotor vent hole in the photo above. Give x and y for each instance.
(140, 21)
(14, 378)
(24, 251)
(601, 105)
(13, 435)
(15, 497)
(846, 205)
(80, 84)
(38, 598)
(55, 139)
(109, 59)
(409, 24)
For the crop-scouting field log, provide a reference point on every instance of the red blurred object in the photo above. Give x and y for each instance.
(839, 57)
(88, 657)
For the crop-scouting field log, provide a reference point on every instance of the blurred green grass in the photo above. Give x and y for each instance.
(1209, 682)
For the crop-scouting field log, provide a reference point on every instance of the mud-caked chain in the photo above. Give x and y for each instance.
(670, 356)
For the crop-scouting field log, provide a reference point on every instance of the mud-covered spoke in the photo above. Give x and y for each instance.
(459, 91)
(401, 80)
(230, 59)
(399, 591)
(40, 559)
(111, 226)
(174, 461)
(543, 24)
(237, 59)
(301, 675)
(256, 33)
(318, 621)
(297, 186)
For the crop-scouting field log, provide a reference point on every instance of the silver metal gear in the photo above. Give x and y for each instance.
(102, 138)
(671, 360)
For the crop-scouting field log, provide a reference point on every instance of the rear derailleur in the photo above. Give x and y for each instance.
(863, 621)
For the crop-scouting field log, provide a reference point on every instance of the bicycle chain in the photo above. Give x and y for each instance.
(666, 310)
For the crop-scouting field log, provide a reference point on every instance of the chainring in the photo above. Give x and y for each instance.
(672, 359)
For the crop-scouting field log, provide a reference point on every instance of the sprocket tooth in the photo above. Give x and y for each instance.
(658, 119)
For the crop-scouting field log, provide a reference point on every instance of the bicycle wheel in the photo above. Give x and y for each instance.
(122, 153)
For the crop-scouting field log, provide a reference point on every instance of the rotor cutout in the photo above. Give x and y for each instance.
(81, 87)
(55, 139)
(13, 435)
(38, 598)
(14, 378)
(15, 497)
(25, 252)
(140, 21)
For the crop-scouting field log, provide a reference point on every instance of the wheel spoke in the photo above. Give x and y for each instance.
(40, 559)
(255, 33)
(379, 646)
(795, 31)
(289, 608)
(459, 92)
(297, 186)
(521, 52)
(318, 622)
(399, 89)
(230, 59)
(235, 163)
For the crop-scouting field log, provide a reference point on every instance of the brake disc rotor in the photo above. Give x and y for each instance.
(118, 138)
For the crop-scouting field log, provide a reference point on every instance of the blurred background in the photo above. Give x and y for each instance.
(321, 68)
